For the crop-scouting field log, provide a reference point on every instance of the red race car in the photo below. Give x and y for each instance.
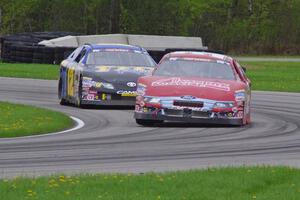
(194, 87)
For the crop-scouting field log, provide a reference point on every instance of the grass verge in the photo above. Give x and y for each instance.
(274, 76)
(267, 183)
(20, 120)
(35, 71)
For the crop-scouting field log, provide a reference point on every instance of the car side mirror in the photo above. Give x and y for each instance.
(244, 68)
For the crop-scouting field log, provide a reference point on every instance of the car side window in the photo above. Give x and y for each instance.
(240, 71)
(80, 55)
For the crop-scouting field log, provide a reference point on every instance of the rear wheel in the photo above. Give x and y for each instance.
(146, 122)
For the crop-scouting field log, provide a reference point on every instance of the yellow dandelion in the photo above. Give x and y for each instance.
(54, 185)
(52, 181)
(62, 180)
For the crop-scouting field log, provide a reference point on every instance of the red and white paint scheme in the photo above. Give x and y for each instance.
(194, 87)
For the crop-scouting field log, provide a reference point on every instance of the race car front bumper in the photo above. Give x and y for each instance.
(107, 98)
(187, 117)
(109, 102)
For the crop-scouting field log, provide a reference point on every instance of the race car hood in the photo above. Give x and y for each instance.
(116, 74)
(214, 89)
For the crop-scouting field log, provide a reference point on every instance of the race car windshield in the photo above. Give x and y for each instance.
(187, 68)
(119, 58)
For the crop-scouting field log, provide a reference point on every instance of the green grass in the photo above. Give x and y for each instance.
(267, 76)
(263, 56)
(35, 71)
(266, 183)
(274, 76)
(20, 120)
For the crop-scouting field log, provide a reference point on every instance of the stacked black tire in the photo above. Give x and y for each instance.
(24, 48)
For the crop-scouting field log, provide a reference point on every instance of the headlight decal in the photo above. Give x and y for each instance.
(88, 82)
(240, 95)
(141, 89)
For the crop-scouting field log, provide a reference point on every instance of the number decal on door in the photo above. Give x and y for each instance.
(71, 78)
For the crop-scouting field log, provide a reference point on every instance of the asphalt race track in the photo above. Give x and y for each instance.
(111, 141)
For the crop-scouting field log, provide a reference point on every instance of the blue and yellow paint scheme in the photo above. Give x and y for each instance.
(81, 83)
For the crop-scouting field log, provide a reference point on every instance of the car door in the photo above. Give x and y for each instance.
(246, 80)
(67, 74)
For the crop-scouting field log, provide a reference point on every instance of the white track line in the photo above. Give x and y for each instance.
(79, 125)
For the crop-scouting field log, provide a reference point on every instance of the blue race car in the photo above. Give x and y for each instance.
(103, 74)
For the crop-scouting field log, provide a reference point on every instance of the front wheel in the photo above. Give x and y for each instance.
(79, 97)
(62, 101)
(146, 122)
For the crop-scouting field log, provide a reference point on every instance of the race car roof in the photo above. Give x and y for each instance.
(116, 46)
(194, 54)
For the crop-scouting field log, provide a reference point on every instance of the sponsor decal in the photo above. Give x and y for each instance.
(124, 93)
(131, 84)
(123, 69)
(87, 83)
(86, 78)
(188, 97)
(90, 97)
(191, 59)
(200, 60)
(98, 84)
(191, 108)
(192, 83)
(113, 50)
(240, 114)
(140, 69)
(92, 92)
(102, 69)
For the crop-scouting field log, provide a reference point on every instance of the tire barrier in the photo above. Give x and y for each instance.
(24, 48)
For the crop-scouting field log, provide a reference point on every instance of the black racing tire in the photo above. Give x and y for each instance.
(62, 101)
(147, 122)
(79, 98)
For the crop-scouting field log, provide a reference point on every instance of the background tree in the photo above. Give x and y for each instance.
(237, 26)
